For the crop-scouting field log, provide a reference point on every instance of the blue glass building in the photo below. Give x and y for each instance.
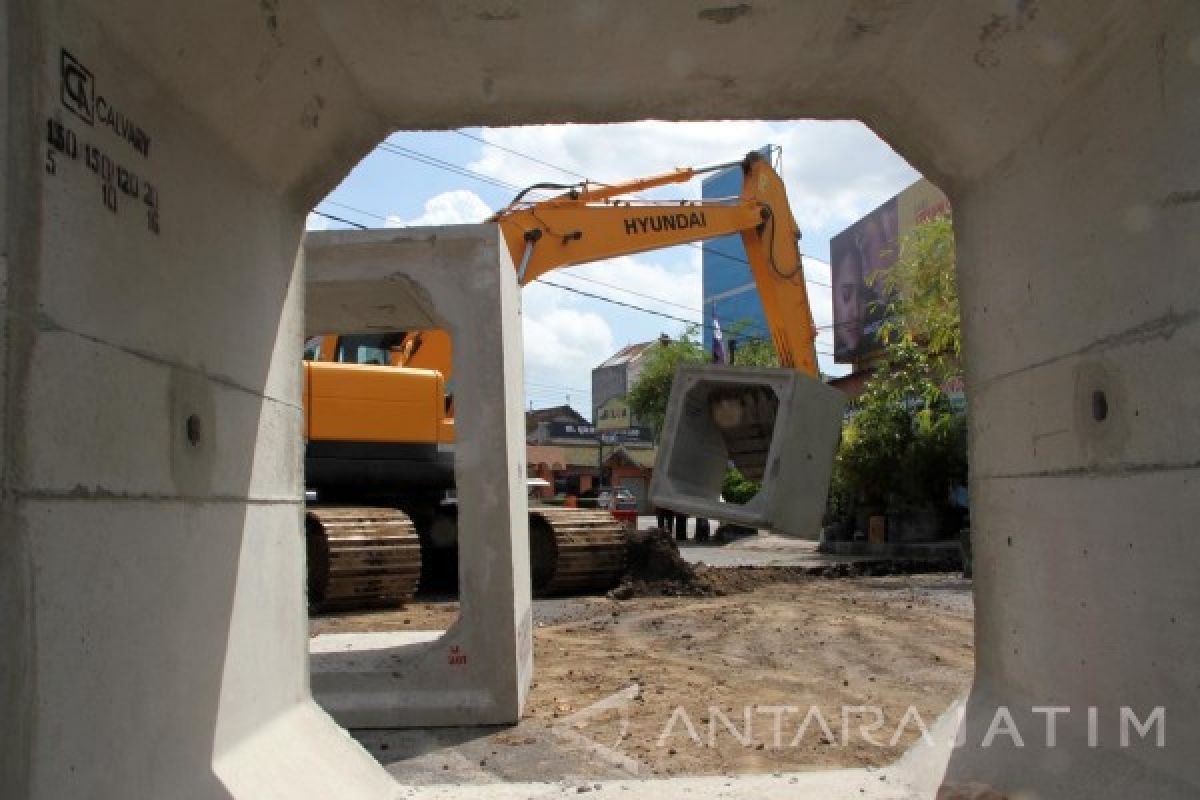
(730, 294)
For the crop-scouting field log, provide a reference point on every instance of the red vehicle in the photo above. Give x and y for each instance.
(621, 503)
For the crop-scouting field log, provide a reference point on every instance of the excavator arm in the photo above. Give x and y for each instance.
(777, 426)
(592, 223)
(380, 422)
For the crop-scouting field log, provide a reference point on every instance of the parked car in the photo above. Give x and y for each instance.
(617, 499)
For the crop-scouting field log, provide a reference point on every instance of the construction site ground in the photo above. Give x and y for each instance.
(676, 677)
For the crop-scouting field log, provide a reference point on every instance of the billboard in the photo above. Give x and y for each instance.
(870, 245)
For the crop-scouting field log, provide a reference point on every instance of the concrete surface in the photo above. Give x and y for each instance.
(770, 550)
(914, 777)
(798, 458)
(766, 549)
(734, 648)
(460, 279)
(1065, 135)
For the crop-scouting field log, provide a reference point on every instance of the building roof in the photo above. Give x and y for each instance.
(628, 353)
(553, 414)
(562, 456)
(632, 457)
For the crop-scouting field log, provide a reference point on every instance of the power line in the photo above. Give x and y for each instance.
(438, 163)
(576, 276)
(602, 298)
(700, 246)
(609, 299)
(371, 214)
(632, 292)
(480, 139)
(556, 386)
(338, 219)
(634, 307)
(697, 245)
(456, 169)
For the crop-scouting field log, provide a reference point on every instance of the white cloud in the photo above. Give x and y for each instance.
(315, 222)
(562, 345)
(564, 337)
(568, 334)
(457, 207)
(675, 291)
(835, 171)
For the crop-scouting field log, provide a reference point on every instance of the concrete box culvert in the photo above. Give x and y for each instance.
(1065, 133)
(777, 426)
(458, 278)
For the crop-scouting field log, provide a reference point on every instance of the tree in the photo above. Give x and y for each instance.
(755, 353)
(649, 396)
(750, 351)
(922, 298)
(905, 442)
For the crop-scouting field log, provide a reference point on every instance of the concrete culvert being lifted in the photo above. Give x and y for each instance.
(777, 426)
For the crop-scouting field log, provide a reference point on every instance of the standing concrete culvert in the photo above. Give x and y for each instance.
(1041, 120)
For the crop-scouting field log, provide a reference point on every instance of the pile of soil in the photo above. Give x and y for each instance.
(652, 560)
(654, 568)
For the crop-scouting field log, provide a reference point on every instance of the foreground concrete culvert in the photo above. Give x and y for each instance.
(151, 574)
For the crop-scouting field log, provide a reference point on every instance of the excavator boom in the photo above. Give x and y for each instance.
(592, 225)
(778, 428)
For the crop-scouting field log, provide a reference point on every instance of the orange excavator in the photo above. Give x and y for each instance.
(379, 408)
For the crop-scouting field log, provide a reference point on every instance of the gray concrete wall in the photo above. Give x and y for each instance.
(152, 593)
(1065, 134)
(1080, 265)
(607, 383)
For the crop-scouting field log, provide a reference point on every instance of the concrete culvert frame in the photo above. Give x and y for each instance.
(158, 169)
(459, 279)
(778, 427)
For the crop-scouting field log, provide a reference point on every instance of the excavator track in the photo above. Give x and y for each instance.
(575, 551)
(360, 558)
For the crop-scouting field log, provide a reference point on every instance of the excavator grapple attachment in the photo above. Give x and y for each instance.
(777, 426)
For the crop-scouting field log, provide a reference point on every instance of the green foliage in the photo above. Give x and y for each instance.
(735, 488)
(905, 445)
(750, 351)
(755, 353)
(922, 293)
(649, 396)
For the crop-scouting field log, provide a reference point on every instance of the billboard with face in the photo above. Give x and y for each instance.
(870, 245)
(867, 246)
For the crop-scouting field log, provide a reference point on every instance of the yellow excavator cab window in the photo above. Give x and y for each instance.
(370, 348)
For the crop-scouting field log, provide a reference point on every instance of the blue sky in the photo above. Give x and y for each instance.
(835, 172)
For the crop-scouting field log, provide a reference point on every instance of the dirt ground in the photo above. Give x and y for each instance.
(772, 650)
